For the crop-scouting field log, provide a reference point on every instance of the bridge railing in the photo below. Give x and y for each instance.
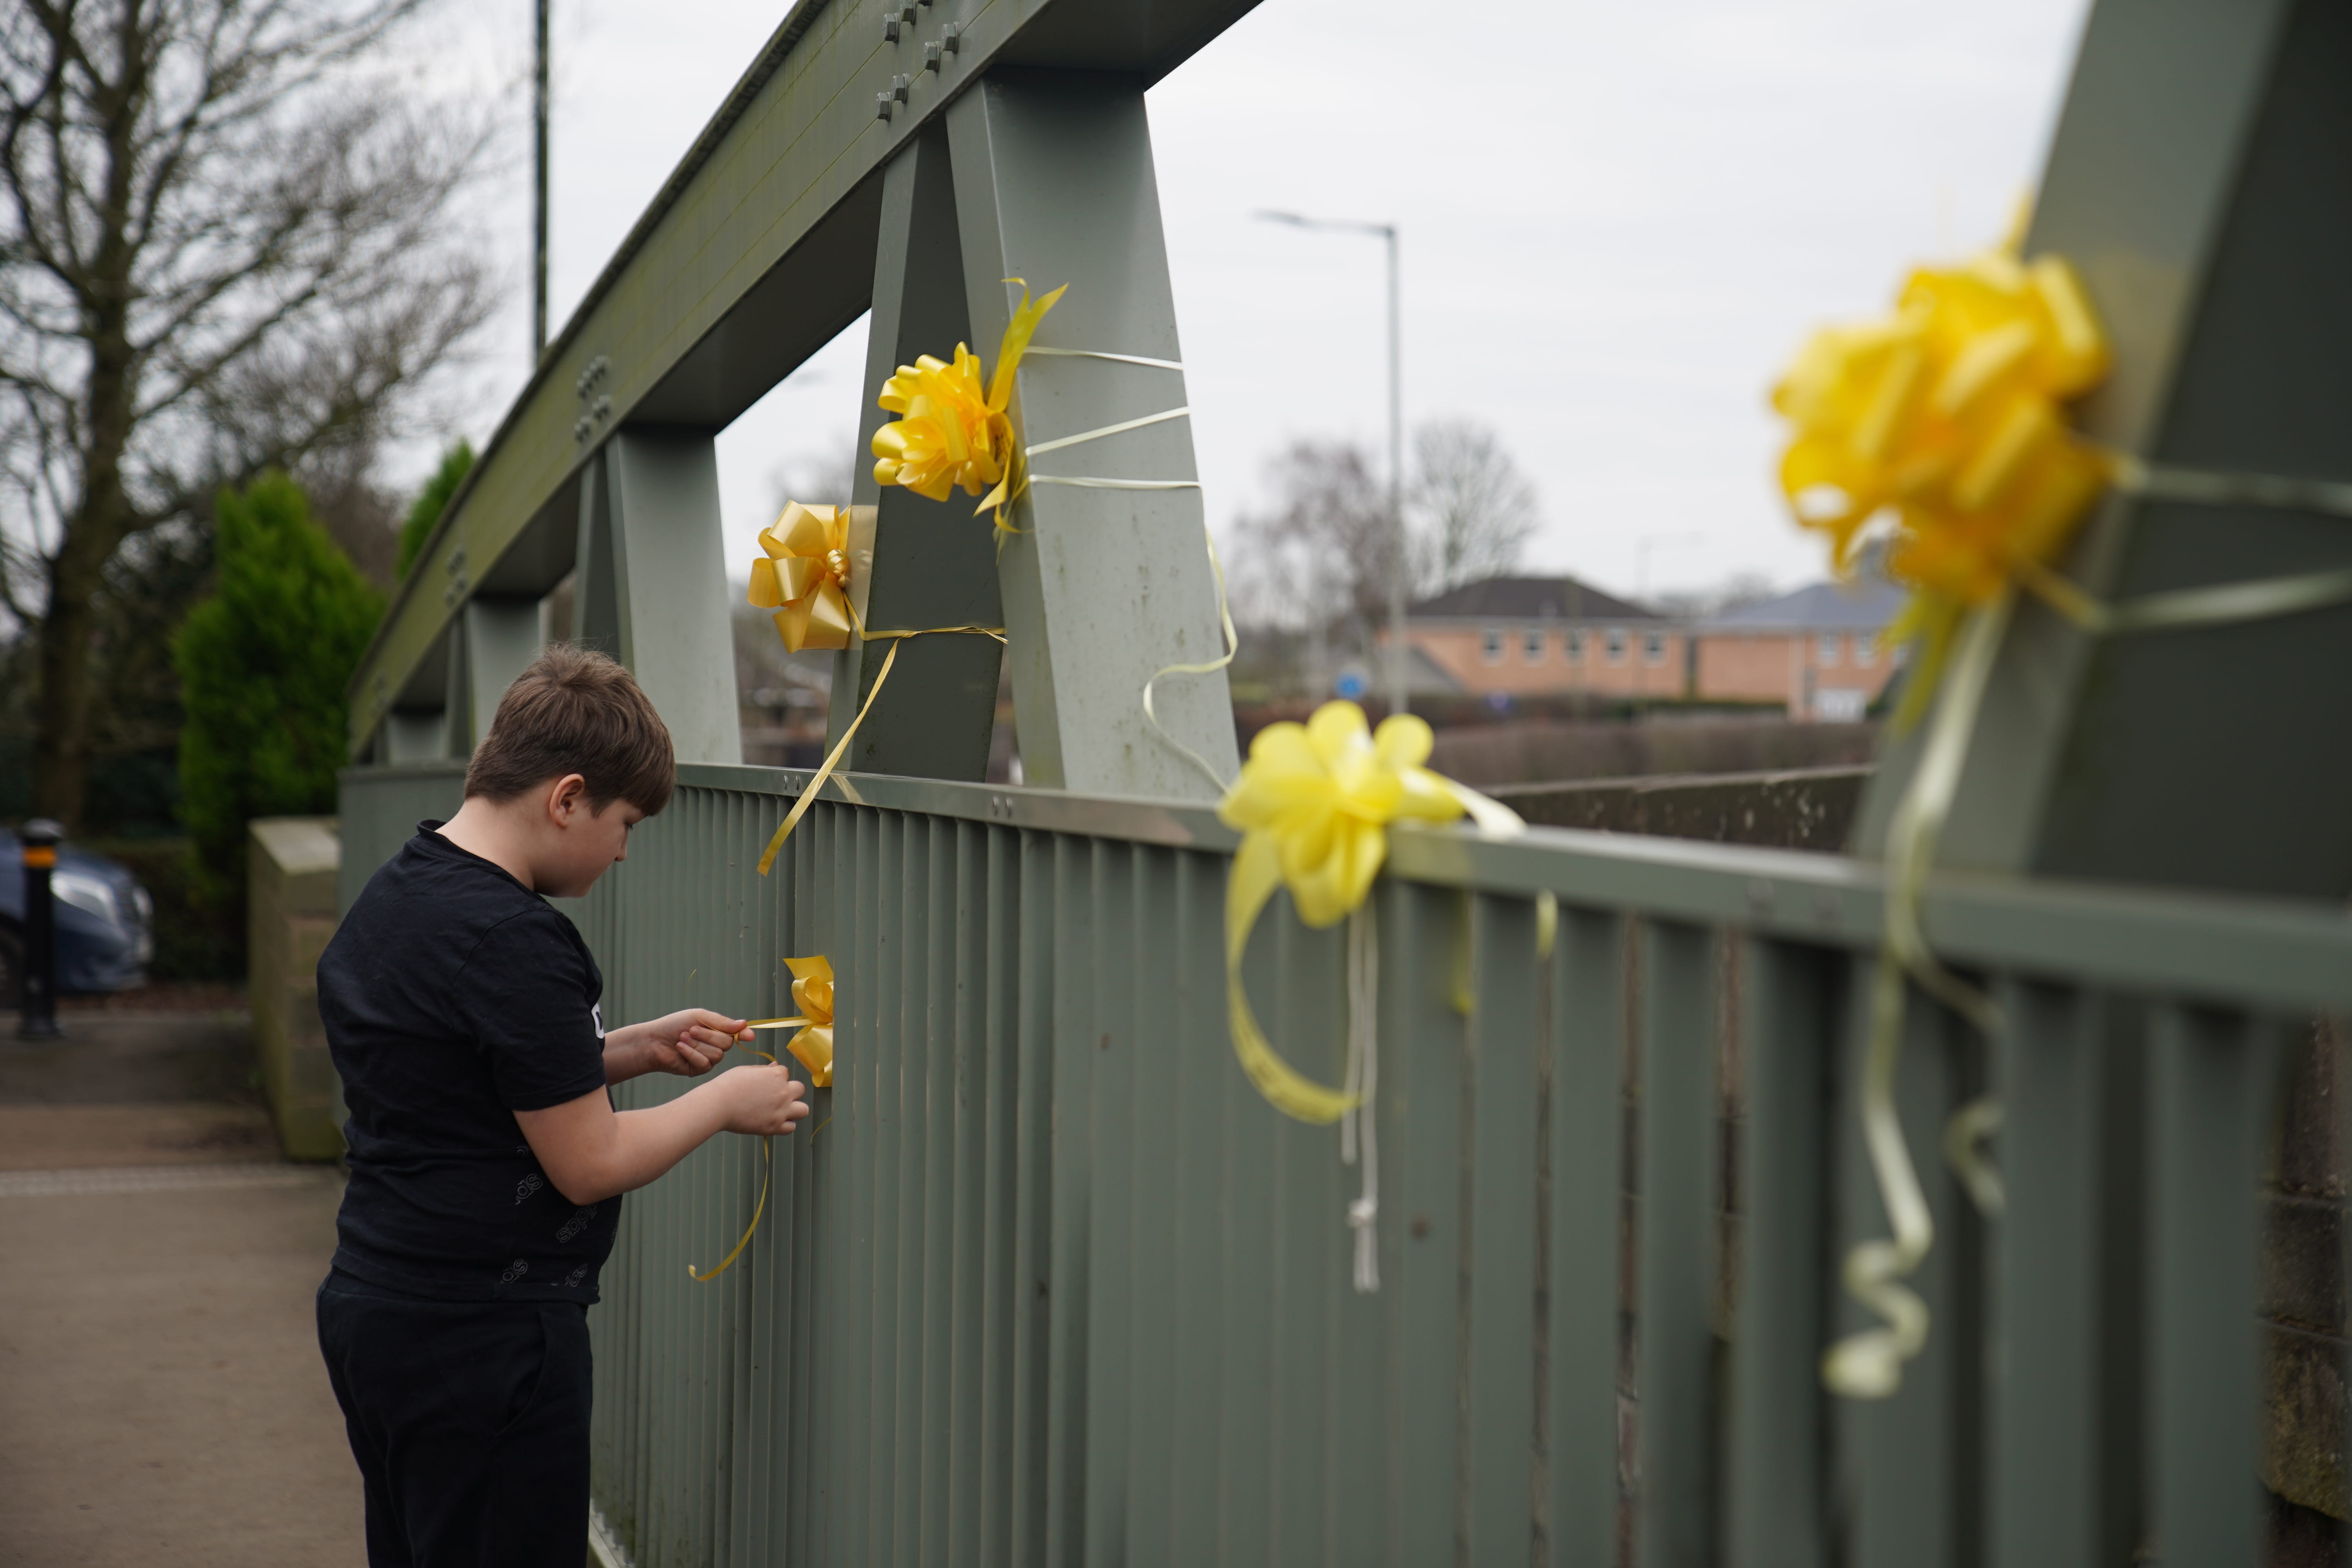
(1043, 1280)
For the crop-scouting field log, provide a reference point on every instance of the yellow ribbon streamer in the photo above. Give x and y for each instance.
(812, 989)
(953, 430)
(805, 576)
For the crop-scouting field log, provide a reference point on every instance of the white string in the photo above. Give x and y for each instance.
(1055, 445)
(1116, 484)
(2202, 487)
(1357, 1124)
(1122, 359)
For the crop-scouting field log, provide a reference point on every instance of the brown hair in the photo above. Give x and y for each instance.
(575, 710)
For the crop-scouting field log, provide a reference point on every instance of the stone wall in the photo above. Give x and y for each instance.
(292, 864)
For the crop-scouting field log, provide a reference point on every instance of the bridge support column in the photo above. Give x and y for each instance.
(493, 641)
(934, 564)
(1101, 586)
(651, 586)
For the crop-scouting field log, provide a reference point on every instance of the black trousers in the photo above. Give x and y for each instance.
(469, 1421)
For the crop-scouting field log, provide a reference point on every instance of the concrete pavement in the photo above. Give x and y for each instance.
(162, 1399)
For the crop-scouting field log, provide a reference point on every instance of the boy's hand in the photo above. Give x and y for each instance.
(765, 1100)
(688, 1043)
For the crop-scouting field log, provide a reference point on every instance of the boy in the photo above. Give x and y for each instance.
(487, 1161)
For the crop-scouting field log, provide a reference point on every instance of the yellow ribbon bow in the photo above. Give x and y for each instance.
(1313, 804)
(1949, 412)
(813, 990)
(951, 430)
(805, 576)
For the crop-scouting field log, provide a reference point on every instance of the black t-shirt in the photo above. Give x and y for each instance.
(453, 997)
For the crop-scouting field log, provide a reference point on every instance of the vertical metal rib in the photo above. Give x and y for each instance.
(1499, 1401)
(1305, 1263)
(1031, 1313)
(1584, 1108)
(1200, 1062)
(1106, 1114)
(1421, 1107)
(2212, 1087)
(1152, 1109)
(1914, 1456)
(2047, 1426)
(1678, 1219)
(959, 1542)
(1777, 1492)
(1071, 1048)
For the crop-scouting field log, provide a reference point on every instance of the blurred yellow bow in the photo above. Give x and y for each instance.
(805, 576)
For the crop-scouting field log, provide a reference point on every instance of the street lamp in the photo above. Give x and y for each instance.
(1399, 565)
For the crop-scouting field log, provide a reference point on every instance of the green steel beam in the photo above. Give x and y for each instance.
(757, 252)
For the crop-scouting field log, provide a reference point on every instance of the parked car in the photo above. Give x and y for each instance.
(105, 920)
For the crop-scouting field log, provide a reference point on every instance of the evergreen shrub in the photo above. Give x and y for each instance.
(263, 663)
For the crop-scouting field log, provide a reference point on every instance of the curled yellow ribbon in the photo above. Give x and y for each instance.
(952, 429)
(1313, 804)
(812, 989)
(805, 576)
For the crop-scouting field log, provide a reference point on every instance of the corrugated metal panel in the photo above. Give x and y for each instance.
(1043, 1279)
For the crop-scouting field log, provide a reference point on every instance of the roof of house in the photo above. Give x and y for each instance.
(1529, 598)
(1866, 604)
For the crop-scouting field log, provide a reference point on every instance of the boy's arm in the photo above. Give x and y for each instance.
(591, 1152)
(688, 1043)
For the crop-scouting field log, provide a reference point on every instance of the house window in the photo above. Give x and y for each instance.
(1866, 652)
(1575, 645)
(1533, 645)
(1825, 651)
(1616, 646)
(1494, 647)
(1653, 647)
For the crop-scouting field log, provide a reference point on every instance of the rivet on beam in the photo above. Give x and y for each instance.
(899, 86)
(930, 56)
(882, 101)
(951, 38)
(890, 27)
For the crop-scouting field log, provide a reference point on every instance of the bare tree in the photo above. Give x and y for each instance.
(223, 246)
(1319, 560)
(1471, 510)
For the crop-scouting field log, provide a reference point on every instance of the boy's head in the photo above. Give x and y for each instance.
(575, 755)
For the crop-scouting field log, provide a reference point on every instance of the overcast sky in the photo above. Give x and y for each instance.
(1618, 223)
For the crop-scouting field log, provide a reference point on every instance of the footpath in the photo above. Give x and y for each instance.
(160, 1395)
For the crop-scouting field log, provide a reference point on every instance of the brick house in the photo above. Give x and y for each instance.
(1547, 636)
(1814, 651)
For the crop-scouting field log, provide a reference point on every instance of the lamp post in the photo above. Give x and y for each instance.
(1399, 565)
(539, 193)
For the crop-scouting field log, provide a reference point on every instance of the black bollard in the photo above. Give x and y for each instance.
(39, 837)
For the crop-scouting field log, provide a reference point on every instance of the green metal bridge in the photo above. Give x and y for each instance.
(1048, 1282)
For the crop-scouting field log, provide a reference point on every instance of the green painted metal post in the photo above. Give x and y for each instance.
(1101, 586)
(661, 506)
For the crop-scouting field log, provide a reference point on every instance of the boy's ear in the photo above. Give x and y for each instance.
(567, 797)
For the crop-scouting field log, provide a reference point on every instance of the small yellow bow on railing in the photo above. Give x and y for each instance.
(812, 989)
(805, 576)
(951, 430)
